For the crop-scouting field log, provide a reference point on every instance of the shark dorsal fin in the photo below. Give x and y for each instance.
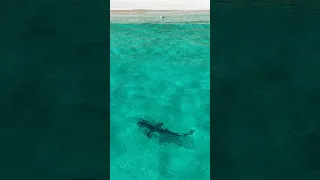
(159, 125)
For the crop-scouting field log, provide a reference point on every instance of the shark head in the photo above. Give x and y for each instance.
(144, 123)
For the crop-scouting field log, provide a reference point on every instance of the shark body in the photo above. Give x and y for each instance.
(158, 128)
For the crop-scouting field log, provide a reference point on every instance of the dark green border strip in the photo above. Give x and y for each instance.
(265, 90)
(54, 93)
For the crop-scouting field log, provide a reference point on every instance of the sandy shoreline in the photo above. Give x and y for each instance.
(160, 4)
(153, 16)
(150, 10)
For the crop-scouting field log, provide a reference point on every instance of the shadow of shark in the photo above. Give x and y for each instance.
(165, 135)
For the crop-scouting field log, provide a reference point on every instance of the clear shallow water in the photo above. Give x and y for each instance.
(160, 72)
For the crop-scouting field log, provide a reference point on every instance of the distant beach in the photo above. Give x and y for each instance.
(174, 11)
(160, 4)
(154, 16)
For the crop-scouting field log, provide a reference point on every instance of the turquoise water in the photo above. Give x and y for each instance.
(160, 72)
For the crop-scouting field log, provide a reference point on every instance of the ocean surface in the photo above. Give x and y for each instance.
(161, 73)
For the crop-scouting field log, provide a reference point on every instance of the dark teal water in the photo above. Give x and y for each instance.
(159, 72)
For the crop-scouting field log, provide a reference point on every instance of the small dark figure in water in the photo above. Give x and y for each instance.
(162, 17)
(158, 128)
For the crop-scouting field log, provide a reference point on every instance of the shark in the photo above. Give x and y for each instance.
(159, 129)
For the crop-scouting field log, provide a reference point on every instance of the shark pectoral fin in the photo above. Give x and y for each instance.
(150, 134)
(159, 125)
